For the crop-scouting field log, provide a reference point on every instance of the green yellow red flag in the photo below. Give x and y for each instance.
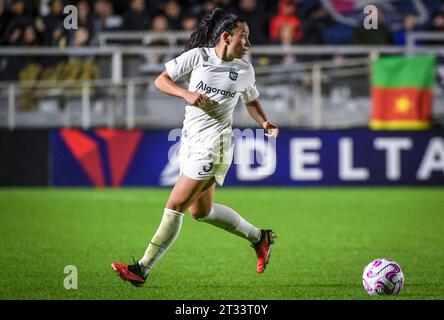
(402, 92)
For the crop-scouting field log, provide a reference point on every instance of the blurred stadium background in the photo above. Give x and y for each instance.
(312, 59)
(78, 109)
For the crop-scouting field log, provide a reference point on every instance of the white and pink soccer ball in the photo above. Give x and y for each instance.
(383, 277)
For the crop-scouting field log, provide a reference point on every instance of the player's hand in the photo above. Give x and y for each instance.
(197, 99)
(271, 130)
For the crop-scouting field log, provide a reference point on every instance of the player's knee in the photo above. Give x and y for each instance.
(198, 213)
(176, 206)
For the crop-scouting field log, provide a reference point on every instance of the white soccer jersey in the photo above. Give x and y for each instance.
(209, 130)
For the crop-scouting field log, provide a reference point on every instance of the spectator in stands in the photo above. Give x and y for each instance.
(436, 25)
(437, 22)
(54, 34)
(81, 37)
(159, 26)
(189, 23)
(24, 36)
(17, 8)
(137, 18)
(30, 39)
(208, 6)
(15, 21)
(172, 12)
(312, 28)
(86, 18)
(30, 36)
(3, 25)
(287, 37)
(81, 68)
(15, 36)
(256, 19)
(4, 20)
(410, 23)
(286, 15)
(104, 17)
(26, 68)
(19, 31)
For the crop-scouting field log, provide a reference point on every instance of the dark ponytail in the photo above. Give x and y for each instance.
(210, 28)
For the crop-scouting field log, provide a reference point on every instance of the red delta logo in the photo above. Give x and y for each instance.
(121, 145)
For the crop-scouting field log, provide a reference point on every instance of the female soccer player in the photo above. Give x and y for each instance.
(217, 76)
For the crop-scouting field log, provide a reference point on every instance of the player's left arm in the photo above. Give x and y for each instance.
(256, 111)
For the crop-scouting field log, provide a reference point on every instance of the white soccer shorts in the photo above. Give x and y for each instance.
(204, 166)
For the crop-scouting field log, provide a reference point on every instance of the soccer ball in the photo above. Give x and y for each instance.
(383, 277)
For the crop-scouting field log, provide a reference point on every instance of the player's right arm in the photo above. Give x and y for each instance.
(165, 84)
(180, 68)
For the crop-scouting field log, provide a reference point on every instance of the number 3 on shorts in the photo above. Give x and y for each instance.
(206, 169)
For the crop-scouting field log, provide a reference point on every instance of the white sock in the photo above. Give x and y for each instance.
(164, 237)
(226, 218)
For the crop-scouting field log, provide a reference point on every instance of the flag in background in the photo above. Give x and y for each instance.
(402, 92)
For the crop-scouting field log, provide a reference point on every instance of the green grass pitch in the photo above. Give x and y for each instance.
(325, 238)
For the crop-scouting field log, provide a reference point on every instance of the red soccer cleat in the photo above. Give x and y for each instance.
(132, 273)
(263, 249)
